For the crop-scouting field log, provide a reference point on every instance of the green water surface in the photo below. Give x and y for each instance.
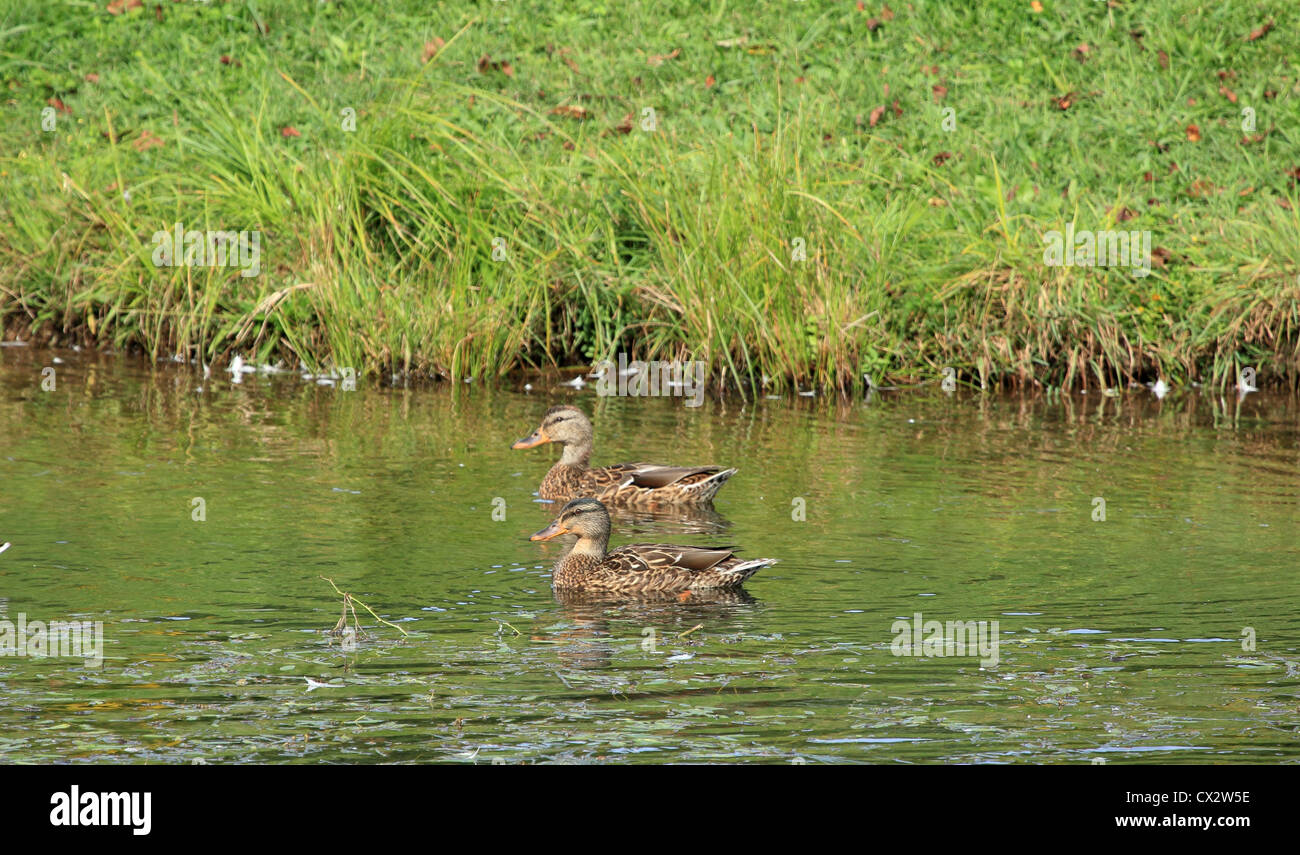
(1126, 639)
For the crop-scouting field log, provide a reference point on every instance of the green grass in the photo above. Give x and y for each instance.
(377, 244)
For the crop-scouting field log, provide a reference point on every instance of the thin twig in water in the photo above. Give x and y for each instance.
(348, 600)
(689, 631)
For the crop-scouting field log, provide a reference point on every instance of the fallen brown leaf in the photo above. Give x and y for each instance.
(485, 64)
(92, 77)
(1036, 6)
(431, 48)
(58, 104)
(941, 158)
(1081, 52)
(146, 141)
(625, 126)
(289, 131)
(940, 92)
(873, 24)
(1193, 133)
(1228, 93)
(876, 114)
(1164, 59)
(1261, 32)
(660, 59)
(709, 81)
(571, 111)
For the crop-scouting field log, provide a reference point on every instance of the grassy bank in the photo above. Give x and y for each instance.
(505, 201)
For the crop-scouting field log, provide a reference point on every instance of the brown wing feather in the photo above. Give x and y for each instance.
(605, 477)
(661, 476)
(648, 568)
(653, 557)
(636, 482)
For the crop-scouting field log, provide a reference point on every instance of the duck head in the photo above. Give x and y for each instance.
(566, 425)
(587, 518)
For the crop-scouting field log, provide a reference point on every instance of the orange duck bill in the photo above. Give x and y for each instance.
(538, 437)
(553, 530)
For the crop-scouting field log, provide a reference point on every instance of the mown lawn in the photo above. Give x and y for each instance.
(506, 198)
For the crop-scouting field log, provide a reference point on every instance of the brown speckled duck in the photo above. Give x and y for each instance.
(639, 568)
(624, 483)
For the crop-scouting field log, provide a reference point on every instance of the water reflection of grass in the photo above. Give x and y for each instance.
(794, 121)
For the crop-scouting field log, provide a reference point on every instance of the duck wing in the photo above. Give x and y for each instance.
(666, 558)
(639, 482)
(654, 476)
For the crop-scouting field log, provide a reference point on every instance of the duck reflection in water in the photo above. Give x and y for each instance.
(597, 627)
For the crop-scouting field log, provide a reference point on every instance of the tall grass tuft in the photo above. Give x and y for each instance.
(801, 213)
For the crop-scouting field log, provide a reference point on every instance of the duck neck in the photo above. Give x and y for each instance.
(590, 547)
(576, 454)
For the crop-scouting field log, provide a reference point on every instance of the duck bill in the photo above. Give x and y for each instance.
(551, 531)
(537, 438)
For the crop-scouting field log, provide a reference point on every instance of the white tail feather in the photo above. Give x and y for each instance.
(750, 566)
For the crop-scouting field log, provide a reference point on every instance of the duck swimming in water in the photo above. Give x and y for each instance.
(623, 483)
(639, 568)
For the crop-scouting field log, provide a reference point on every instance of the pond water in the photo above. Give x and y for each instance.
(1166, 632)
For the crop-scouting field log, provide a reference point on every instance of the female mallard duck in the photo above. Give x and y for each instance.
(624, 482)
(639, 568)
